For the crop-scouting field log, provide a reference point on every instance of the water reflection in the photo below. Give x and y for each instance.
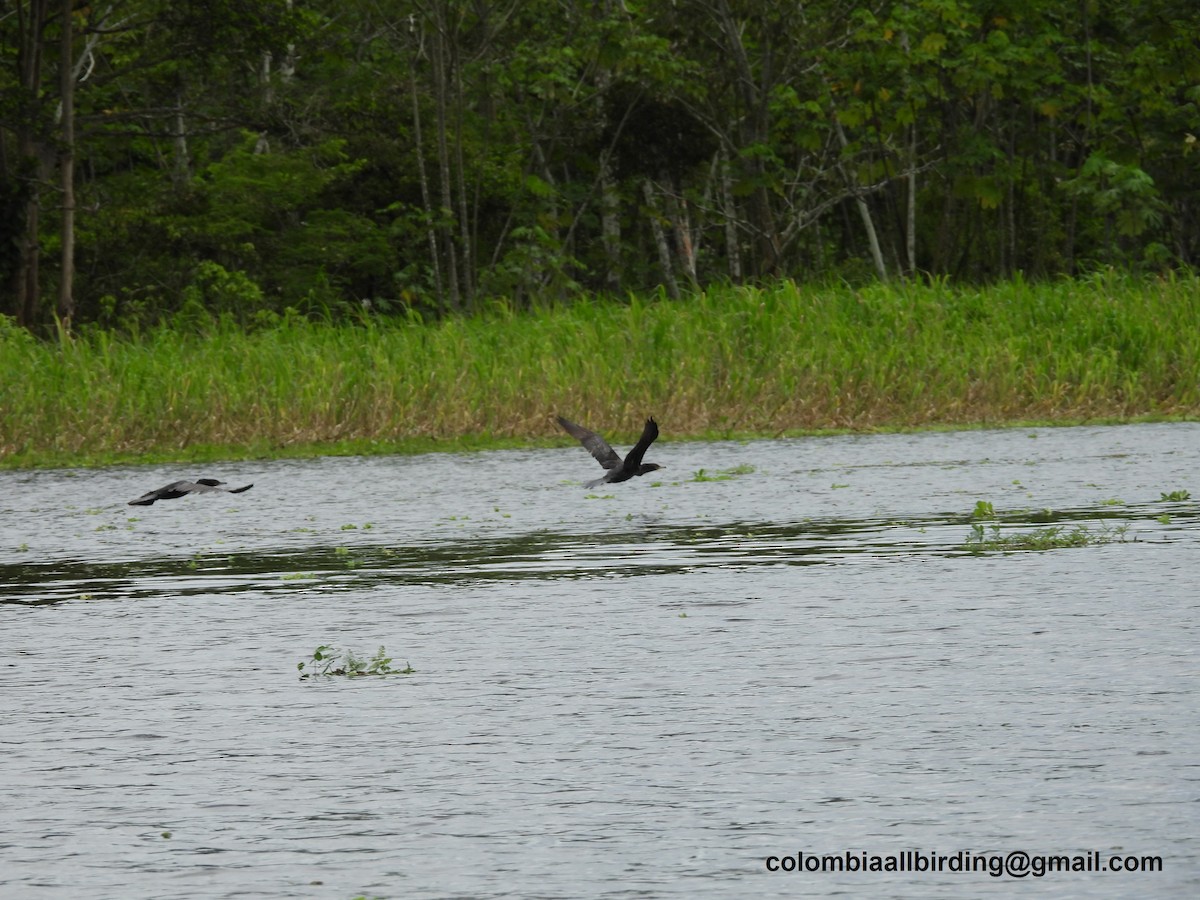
(652, 549)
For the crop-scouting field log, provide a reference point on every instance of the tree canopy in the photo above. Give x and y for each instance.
(159, 157)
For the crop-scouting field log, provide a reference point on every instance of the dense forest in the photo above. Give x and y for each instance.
(167, 158)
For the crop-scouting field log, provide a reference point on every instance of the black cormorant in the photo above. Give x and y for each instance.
(180, 488)
(618, 469)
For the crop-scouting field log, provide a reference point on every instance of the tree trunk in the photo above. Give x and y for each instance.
(864, 211)
(181, 165)
(754, 132)
(426, 197)
(733, 253)
(31, 22)
(685, 247)
(464, 214)
(660, 240)
(66, 164)
(910, 225)
(610, 226)
(446, 213)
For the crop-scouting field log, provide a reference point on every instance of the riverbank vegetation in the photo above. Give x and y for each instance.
(725, 362)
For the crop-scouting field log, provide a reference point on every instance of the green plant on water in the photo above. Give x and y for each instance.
(296, 576)
(349, 528)
(341, 551)
(838, 486)
(328, 660)
(983, 510)
(1164, 519)
(990, 538)
(1175, 497)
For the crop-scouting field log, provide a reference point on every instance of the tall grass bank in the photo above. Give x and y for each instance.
(728, 361)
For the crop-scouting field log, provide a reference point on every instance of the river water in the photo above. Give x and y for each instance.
(666, 688)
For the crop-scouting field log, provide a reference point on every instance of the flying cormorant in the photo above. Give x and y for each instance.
(180, 488)
(618, 469)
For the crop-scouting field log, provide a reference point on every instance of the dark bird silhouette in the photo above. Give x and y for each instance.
(180, 488)
(618, 469)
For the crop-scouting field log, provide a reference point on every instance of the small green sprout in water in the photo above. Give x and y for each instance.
(1164, 519)
(1175, 497)
(349, 527)
(328, 660)
(837, 487)
(296, 576)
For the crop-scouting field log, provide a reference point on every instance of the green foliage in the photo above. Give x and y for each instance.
(992, 539)
(331, 661)
(338, 164)
(726, 361)
(983, 510)
(1175, 497)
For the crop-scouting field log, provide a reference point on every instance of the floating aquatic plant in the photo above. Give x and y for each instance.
(991, 538)
(722, 474)
(328, 660)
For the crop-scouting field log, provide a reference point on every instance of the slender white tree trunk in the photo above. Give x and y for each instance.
(660, 240)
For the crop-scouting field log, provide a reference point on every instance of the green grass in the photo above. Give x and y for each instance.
(728, 362)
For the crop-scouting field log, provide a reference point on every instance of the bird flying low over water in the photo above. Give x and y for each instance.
(618, 469)
(180, 488)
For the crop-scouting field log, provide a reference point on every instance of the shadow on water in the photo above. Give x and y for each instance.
(541, 555)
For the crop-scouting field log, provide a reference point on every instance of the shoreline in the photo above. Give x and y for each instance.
(204, 454)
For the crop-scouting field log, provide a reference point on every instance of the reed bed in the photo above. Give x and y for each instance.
(727, 361)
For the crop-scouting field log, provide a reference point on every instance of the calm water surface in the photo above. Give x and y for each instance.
(643, 692)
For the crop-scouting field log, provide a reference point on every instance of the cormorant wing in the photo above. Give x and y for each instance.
(634, 458)
(182, 488)
(204, 485)
(166, 492)
(596, 445)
